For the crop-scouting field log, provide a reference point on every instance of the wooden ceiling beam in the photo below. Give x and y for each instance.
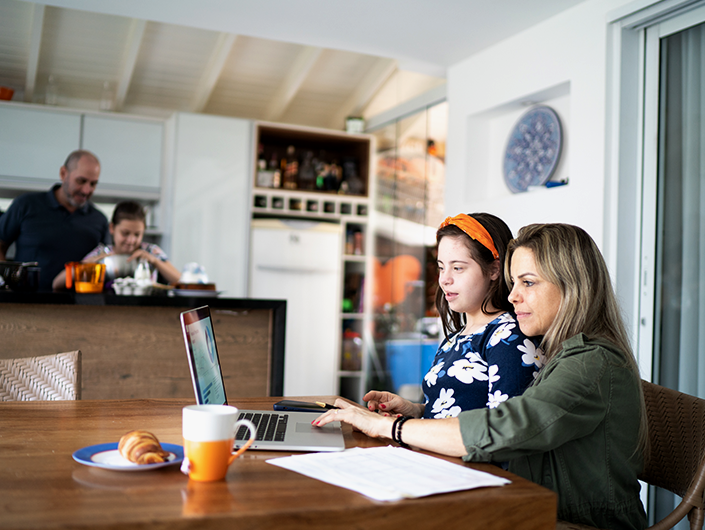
(297, 74)
(132, 49)
(35, 44)
(214, 67)
(380, 72)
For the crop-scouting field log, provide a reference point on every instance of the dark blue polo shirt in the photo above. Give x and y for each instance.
(46, 232)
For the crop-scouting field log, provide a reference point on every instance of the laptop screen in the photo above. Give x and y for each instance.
(203, 358)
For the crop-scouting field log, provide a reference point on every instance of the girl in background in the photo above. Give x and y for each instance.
(127, 228)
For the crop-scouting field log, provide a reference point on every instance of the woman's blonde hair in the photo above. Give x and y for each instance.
(566, 256)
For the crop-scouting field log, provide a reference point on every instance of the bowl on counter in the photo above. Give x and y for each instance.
(117, 266)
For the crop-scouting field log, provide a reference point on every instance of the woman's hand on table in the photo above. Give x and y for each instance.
(362, 419)
(391, 404)
(438, 435)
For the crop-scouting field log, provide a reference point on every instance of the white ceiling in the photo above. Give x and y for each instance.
(310, 62)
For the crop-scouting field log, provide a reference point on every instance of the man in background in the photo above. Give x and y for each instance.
(59, 225)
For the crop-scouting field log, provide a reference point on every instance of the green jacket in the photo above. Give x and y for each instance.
(574, 431)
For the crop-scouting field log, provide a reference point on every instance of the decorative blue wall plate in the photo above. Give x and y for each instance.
(533, 149)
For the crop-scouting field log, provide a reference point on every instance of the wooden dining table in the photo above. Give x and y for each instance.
(43, 487)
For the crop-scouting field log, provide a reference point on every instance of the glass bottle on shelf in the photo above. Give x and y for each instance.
(354, 242)
(261, 161)
(320, 168)
(352, 351)
(307, 173)
(358, 243)
(273, 162)
(276, 172)
(290, 169)
(265, 177)
(354, 185)
(331, 180)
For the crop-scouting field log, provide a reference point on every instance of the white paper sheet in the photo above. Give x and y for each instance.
(388, 473)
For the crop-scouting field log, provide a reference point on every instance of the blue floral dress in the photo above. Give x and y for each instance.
(480, 370)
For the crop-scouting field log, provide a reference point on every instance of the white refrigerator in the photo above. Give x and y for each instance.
(300, 261)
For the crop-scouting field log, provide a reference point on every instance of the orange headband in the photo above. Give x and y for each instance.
(474, 229)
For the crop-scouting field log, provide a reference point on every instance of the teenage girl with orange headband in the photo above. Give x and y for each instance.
(484, 359)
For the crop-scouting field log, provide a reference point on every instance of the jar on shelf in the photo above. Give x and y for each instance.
(352, 351)
(290, 169)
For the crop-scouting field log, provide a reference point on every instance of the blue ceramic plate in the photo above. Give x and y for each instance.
(533, 149)
(106, 456)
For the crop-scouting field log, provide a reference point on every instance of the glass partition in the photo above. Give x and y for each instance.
(408, 209)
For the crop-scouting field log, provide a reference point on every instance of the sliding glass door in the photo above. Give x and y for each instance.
(673, 206)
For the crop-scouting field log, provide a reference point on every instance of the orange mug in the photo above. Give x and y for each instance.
(87, 277)
(209, 436)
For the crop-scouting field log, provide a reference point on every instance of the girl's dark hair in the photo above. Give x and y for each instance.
(498, 294)
(129, 210)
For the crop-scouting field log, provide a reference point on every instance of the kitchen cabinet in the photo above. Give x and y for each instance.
(130, 150)
(351, 298)
(34, 144)
(35, 141)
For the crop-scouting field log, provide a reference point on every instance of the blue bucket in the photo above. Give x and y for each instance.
(409, 360)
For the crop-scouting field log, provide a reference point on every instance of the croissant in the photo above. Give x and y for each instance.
(141, 447)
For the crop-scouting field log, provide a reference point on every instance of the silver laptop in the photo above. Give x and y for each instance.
(276, 430)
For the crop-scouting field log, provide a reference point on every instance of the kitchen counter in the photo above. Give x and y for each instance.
(133, 347)
(45, 297)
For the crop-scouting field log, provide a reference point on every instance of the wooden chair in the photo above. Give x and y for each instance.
(676, 457)
(46, 378)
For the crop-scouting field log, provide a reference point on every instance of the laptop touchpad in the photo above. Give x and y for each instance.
(307, 427)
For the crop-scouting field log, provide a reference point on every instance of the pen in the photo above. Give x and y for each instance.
(325, 405)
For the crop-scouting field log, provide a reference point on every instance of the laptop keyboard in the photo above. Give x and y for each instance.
(271, 427)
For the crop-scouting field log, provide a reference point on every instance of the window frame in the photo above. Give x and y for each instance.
(633, 64)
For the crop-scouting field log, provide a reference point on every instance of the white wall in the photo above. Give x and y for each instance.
(561, 62)
(211, 197)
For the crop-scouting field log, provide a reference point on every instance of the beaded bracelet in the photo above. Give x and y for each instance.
(396, 430)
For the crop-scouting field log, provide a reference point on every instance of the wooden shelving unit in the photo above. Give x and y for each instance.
(350, 210)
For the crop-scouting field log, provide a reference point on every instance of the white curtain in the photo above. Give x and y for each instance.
(682, 212)
(680, 334)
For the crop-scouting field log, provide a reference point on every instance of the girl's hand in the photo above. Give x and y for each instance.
(143, 254)
(96, 259)
(370, 423)
(389, 403)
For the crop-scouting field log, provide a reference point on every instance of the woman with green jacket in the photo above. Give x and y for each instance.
(580, 428)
